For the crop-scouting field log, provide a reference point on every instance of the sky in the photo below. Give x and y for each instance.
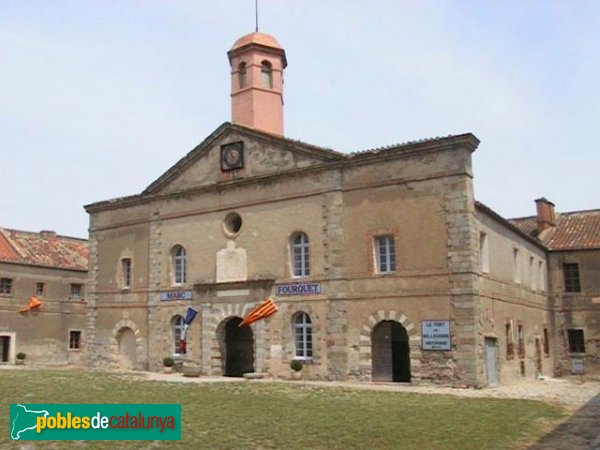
(99, 98)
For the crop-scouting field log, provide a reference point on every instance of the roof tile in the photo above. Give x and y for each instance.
(43, 249)
(576, 230)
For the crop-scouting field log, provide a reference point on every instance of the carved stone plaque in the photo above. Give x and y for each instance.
(231, 264)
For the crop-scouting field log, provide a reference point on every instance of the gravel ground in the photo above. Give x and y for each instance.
(571, 393)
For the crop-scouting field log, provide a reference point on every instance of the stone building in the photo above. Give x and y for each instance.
(382, 264)
(53, 269)
(572, 241)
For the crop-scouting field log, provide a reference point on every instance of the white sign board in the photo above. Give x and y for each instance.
(176, 295)
(299, 289)
(435, 335)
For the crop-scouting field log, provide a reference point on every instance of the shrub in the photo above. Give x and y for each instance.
(21, 355)
(295, 365)
(168, 362)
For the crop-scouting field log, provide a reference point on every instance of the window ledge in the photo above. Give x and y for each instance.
(383, 274)
(308, 360)
(576, 354)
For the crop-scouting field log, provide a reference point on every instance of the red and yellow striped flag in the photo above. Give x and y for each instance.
(33, 303)
(265, 309)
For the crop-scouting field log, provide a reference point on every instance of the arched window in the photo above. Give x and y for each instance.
(179, 265)
(242, 77)
(177, 325)
(266, 70)
(302, 336)
(299, 246)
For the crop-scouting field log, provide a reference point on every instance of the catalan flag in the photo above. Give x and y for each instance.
(33, 303)
(265, 309)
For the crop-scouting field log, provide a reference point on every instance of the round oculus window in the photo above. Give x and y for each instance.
(232, 224)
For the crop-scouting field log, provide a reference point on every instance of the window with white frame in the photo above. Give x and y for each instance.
(6, 286)
(179, 265)
(532, 275)
(385, 254)
(542, 276)
(484, 253)
(177, 324)
(39, 289)
(516, 266)
(302, 336)
(300, 256)
(126, 272)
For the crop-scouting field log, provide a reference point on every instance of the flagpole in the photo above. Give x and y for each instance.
(256, 14)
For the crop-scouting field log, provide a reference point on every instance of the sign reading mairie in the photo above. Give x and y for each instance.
(298, 289)
(176, 295)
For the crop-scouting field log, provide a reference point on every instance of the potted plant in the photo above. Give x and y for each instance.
(296, 366)
(21, 358)
(168, 364)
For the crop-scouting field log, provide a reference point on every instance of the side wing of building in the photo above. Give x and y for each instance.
(53, 269)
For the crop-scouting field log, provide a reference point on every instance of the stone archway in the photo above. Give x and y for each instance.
(213, 332)
(366, 342)
(126, 345)
(127, 349)
(237, 347)
(390, 360)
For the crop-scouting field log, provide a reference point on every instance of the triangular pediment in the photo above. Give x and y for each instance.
(262, 154)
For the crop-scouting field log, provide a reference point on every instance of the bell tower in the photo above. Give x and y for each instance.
(257, 62)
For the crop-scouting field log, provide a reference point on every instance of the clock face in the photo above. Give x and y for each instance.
(232, 156)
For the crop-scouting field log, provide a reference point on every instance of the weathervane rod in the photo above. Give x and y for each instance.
(256, 13)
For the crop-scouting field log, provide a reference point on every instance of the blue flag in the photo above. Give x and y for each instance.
(189, 317)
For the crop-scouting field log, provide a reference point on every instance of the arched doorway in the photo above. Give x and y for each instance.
(390, 352)
(127, 349)
(239, 348)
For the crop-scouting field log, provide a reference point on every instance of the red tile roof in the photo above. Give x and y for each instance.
(576, 230)
(45, 249)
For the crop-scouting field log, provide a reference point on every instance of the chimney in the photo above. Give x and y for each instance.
(47, 234)
(546, 218)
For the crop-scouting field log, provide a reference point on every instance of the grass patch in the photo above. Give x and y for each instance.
(287, 416)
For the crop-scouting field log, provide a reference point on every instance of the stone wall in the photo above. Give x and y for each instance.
(507, 304)
(577, 310)
(424, 199)
(43, 333)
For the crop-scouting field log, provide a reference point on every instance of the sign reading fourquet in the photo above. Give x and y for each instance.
(435, 334)
(298, 289)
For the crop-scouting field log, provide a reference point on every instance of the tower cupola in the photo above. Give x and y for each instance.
(257, 62)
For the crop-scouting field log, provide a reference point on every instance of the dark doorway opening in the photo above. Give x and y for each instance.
(390, 352)
(4, 348)
(239, 348)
